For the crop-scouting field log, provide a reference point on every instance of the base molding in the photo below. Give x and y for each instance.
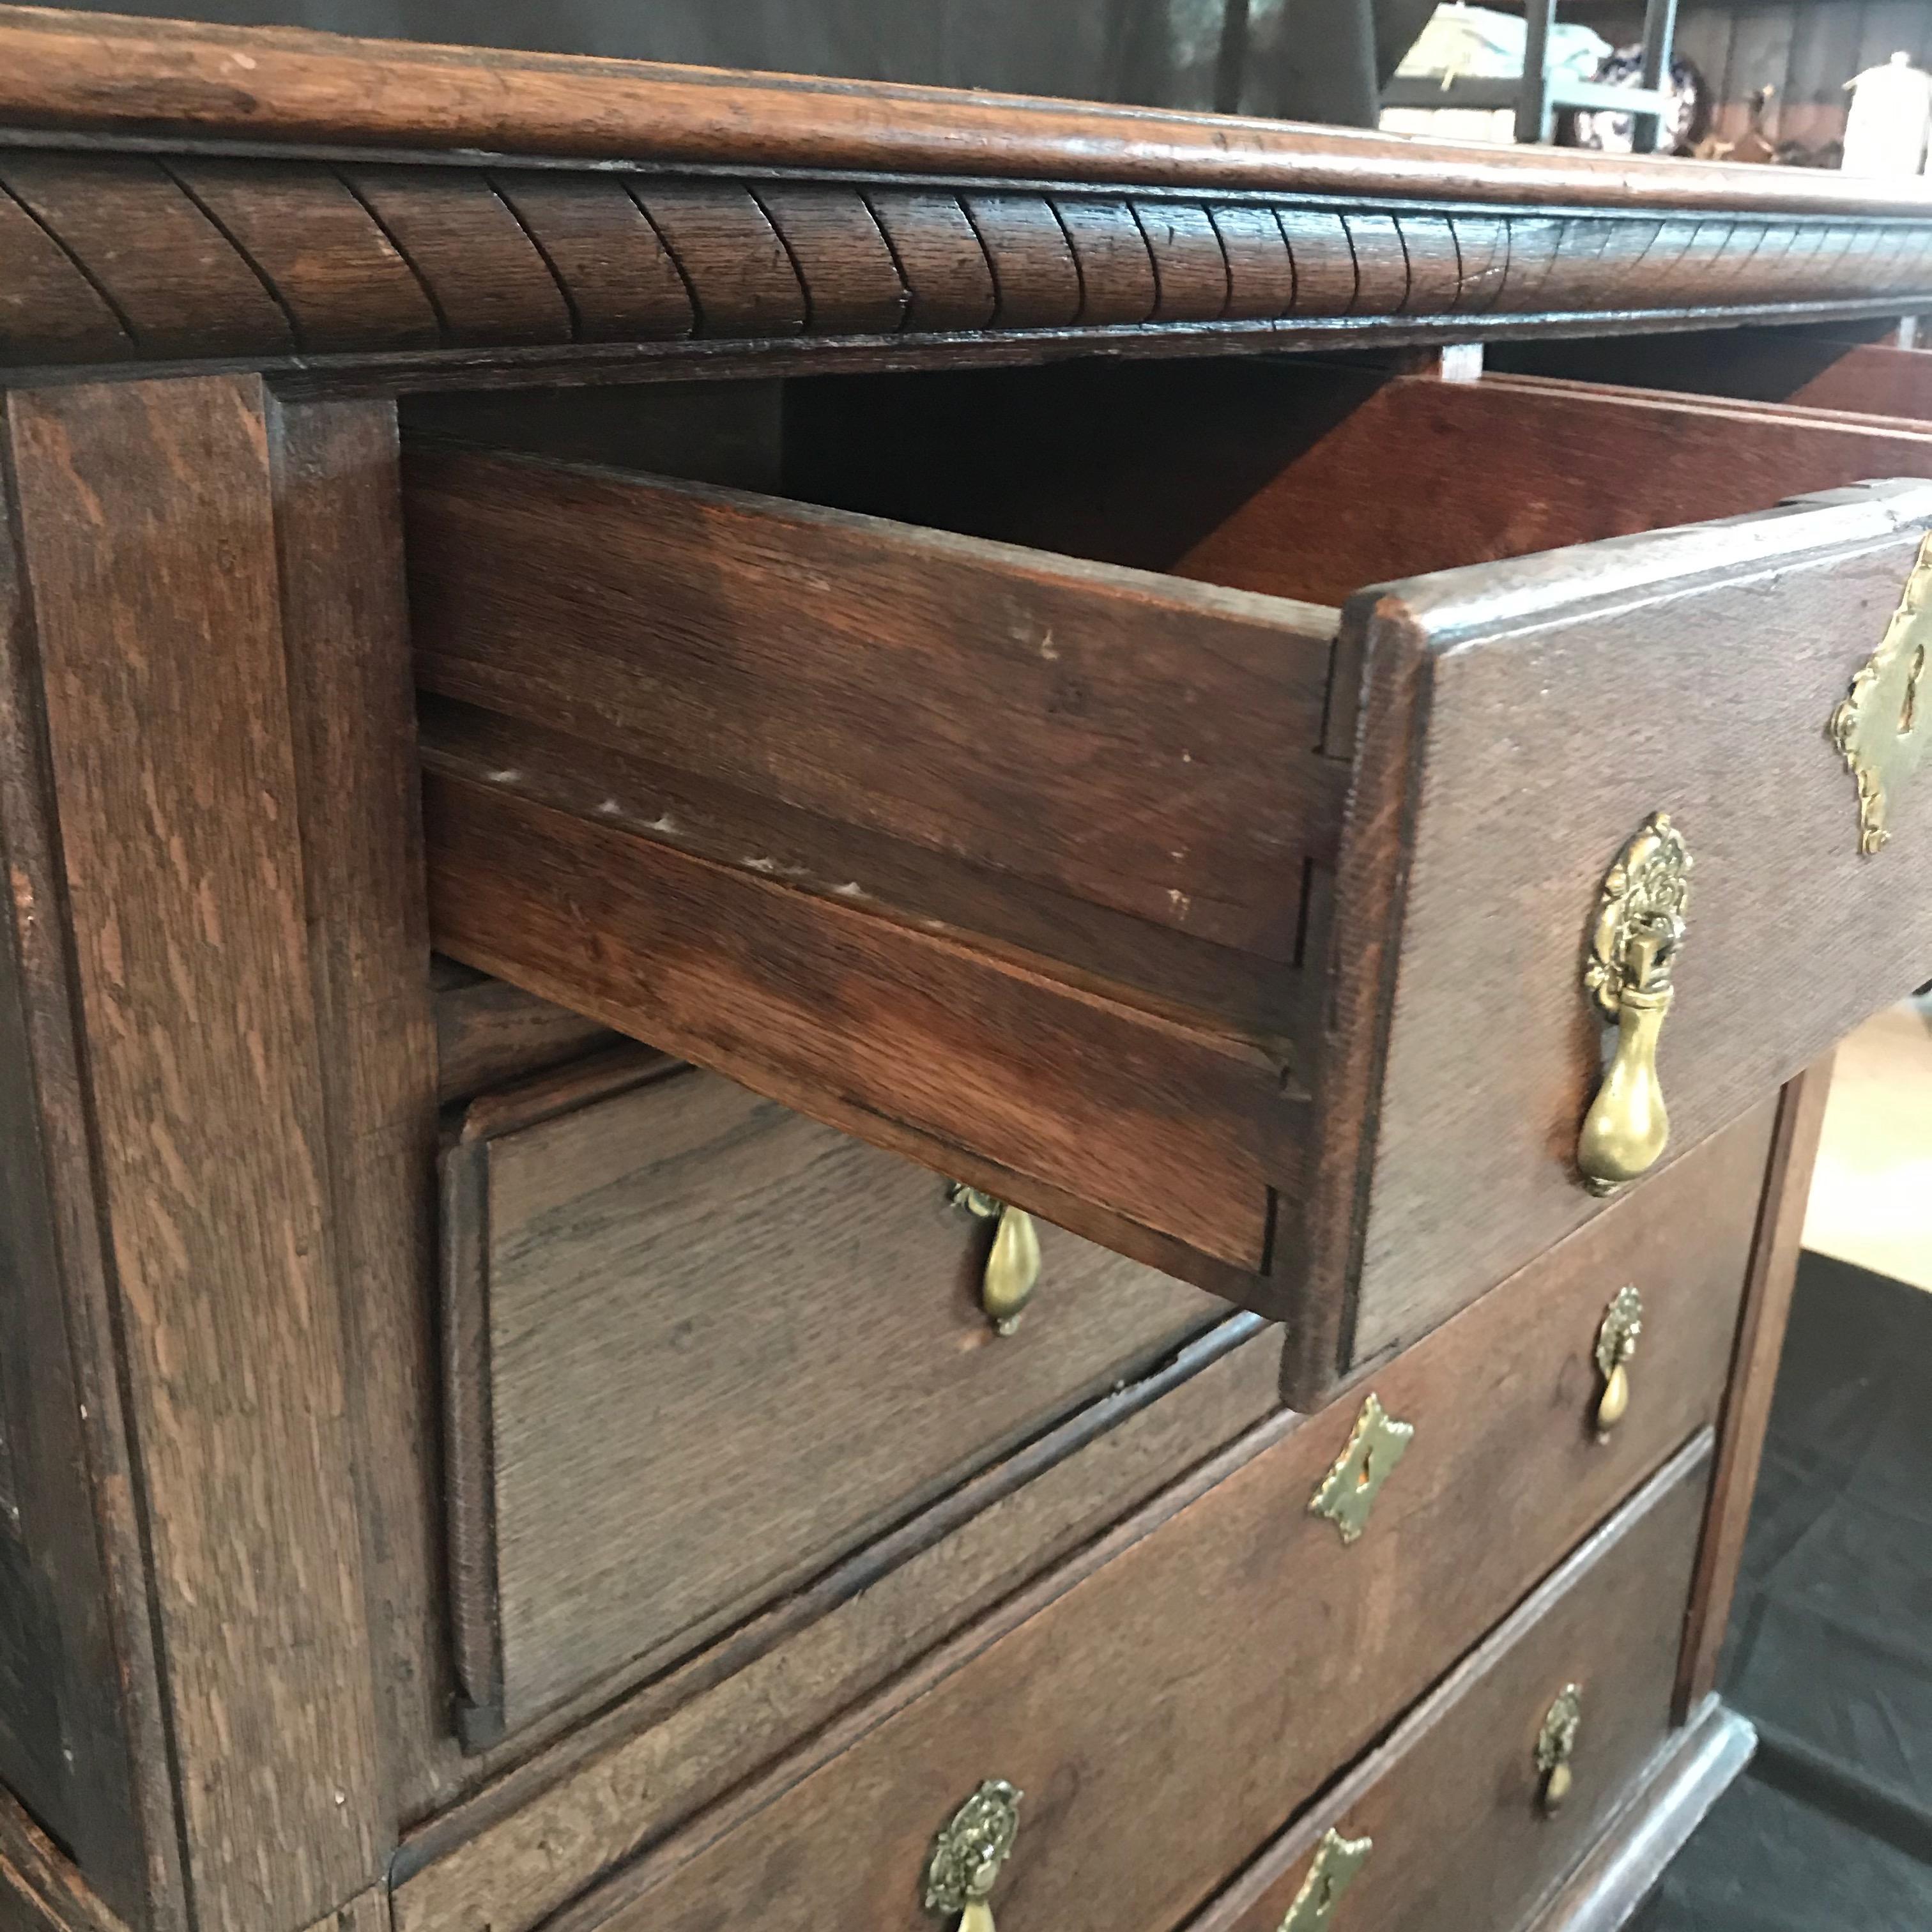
(1685, 1779)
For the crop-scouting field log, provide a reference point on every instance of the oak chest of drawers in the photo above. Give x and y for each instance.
(890, 1035)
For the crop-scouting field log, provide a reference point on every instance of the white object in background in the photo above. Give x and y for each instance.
(1477, 40)
(1891, 114)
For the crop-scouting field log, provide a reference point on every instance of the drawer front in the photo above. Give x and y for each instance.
(1530, 718)
(1165, 1708)
(701, 1347)
(1455, 1809)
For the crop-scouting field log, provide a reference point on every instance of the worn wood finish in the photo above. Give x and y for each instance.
(641, 1494)
(81, 1732)
(1813, 368)
(1623, 1867)
(102, 71)
(1566, 646)
(488, 1034)
(955, 1056)
(545, 1831)
(1095, 733)
(1550, 454)
(550, 866)
(149, 526)
(39, 1886)
(1452, 1801)
(1305, 479)
(1177, 1603)
(354, 269)
(1774, 1274)
(345, 629)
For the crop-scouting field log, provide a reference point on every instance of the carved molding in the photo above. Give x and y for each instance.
(177, 258)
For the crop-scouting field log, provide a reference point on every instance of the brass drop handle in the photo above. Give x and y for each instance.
(1616, 1342)
(1012, 1272)
(1634, 947)
(967, 1852)
(1555, 1745)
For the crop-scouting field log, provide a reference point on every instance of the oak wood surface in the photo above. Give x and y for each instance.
(82, 1738)
(1191, 1593)
(147, 521)
(1309, 478)
(40, 1889)
(1452, 1801)
(860, 1022)
(548, 1828)
(1693, 672)
(345, 629)
(658, 1260)
(488, 1033)
(1622, 1868)
(1560, 465)
(1120, 739)
(1767, 1306)
(102, 71)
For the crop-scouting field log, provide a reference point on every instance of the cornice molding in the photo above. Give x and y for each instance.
(186, 259)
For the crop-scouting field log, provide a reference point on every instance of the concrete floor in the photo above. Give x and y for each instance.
(1871, 1199)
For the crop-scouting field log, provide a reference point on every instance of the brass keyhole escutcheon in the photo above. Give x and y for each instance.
(967, 1852)
(1555, 1745)
(1348, 1493)
(1011, 1269)
(1616, 1343)
(1883, 726)
(1337, 1860)
(1633, 948)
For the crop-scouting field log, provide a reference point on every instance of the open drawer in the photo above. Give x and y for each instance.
(1246, 937)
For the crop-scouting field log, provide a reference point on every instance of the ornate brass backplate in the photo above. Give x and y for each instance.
(1337, 1860)
(1616, 1342)
(1349, 1491)
(1012, 1272)
(968, 1853)
(1883, 724)
(1556, 1743)
(1634, 947)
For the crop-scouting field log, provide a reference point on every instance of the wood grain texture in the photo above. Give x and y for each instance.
(82, 1738)
(148, 524)
(39, 1884)
(1460, 1771)
(1120, 739)
(641, 1498)
(487, 280)
(1767, 1306)
(1623, 1867)
(345, 630)
(1483, 1142)
(861, 1022)
(389, 272)
(1565, 464)
(527, 1845)
(96, 71)
(489, 1033)
(1177, 1604)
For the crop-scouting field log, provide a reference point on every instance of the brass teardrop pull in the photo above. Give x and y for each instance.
(967, 1852)
(1555, 1744)
(1012, 1272)
(1616, 1342)
(1633, 951)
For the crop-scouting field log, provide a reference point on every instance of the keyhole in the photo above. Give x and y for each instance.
(1908, 716)
(1325, 1898)
(1362, 1473)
